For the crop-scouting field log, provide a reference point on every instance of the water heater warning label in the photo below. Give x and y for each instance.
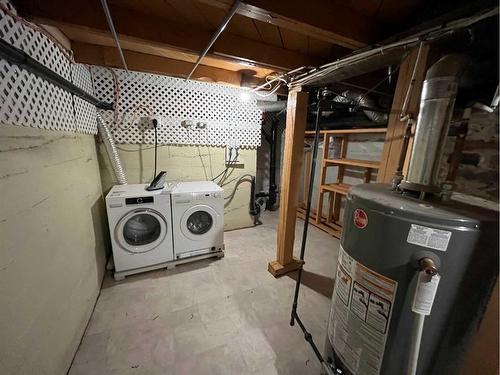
(360, 315)
(429, 237)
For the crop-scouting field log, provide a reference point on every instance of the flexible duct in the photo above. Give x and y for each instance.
(269, 106)
(436, 108)
(111, 150)
(358, 99)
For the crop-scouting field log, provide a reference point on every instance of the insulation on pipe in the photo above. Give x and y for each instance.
(109, 144)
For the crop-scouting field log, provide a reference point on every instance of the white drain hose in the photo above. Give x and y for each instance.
(111, 150)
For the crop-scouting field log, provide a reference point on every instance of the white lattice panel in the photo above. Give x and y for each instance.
(85, 113)
(172, 101)
(27, 100)
(34, 43)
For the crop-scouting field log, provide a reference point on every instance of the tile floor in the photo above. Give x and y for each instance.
(213, 317)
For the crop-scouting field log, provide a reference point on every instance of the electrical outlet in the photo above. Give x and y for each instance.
(187, 123)
(148, 122)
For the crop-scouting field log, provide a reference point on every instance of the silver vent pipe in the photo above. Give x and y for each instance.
(436, 108)
(109, 144)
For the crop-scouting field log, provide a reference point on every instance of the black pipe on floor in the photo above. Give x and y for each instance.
(273, 189)
(20, 58)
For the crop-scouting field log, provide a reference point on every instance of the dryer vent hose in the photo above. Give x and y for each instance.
(111, 150)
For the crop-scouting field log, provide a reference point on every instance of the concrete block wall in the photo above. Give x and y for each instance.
(53, 241)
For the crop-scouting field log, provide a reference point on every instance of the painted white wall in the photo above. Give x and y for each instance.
(52, 246)
(186, 163)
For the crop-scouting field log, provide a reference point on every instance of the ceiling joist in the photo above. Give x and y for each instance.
(329, 21)
(153, 29)
(109, 56)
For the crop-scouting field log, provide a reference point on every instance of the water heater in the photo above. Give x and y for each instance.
(415, 268)
(386, 236)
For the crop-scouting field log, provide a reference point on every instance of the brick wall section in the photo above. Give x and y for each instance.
(478, 169)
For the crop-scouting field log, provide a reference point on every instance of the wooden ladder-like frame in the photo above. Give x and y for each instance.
(331, 223)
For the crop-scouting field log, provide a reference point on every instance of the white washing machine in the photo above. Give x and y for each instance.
(198, 218)
(140, 225)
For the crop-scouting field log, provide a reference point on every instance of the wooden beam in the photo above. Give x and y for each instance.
(182, 37)
(108, 56)
(290, 181)
(395, 128)
(85, 35)
(329, 21)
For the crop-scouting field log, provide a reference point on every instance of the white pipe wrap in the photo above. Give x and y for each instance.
(111, 150)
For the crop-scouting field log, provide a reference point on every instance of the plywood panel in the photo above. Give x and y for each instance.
(243, 26)
(294, 41)
(319, 47)
(190, 11)
(269, 33)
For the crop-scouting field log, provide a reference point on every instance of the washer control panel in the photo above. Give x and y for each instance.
(139, 200)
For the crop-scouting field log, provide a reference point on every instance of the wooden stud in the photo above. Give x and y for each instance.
(367, 175)
(109, 56)
(307, 176)
(396, 128)
(350, 131)
(326, 146)
(340, 178)
(330, 207)
(290, 182)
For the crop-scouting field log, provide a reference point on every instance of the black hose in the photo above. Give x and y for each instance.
(272, 198)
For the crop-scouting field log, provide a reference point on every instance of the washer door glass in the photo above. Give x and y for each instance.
(141, 229)
(199, 222)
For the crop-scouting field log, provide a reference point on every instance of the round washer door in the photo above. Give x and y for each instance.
(198, 222)
(141, 230)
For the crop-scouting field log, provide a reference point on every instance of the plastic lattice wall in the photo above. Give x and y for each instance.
(188, 112)
(27, 100)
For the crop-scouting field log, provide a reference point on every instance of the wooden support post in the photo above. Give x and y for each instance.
(322, 179)
(340, 178)
(307, 176)
(396, 128)
(290, 181)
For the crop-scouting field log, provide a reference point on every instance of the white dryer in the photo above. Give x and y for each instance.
(140, 227)
(198, 218)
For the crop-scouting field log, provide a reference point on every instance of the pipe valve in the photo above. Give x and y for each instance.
(428, 266)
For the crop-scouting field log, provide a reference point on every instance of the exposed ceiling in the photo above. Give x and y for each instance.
(264, 36)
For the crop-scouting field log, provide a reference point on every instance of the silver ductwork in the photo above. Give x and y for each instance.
(436, 108)
(359, 99)
(111, 150)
